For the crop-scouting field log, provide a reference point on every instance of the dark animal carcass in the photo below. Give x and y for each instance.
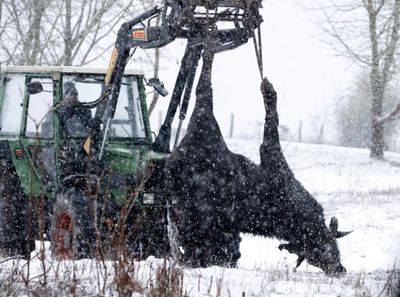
(216, 194)
(201, 179)
(277, 205)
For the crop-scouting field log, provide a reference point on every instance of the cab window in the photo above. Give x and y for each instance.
(75, 115)
(40, 116)
(128, 118)
(12, 104)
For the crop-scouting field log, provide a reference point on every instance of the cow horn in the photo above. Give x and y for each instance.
(333, 226)
(340, 234)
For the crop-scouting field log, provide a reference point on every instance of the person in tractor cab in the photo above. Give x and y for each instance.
(77, 124)
(76, 118)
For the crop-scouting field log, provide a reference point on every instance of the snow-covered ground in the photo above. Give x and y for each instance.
(364, 194)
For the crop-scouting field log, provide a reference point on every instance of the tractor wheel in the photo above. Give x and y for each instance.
(72, 232)
(14, 239)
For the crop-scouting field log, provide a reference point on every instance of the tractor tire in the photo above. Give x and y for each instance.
(14, 238)
(72, 234)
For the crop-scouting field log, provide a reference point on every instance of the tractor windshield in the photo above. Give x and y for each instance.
(128, 120)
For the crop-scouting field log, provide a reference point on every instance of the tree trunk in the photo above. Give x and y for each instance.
(377, 141)
(37, 42)
(377, 85)
(32, 42)
(68, 35)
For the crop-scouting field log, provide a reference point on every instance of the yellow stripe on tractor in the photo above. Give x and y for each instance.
(111, 65)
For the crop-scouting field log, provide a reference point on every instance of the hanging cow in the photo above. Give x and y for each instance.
(216, 194)
(200, 182)
(279, 206)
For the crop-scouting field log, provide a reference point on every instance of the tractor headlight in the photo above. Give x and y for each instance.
(148, 198)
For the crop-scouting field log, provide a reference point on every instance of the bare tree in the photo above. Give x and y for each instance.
(366, 31)
(1, 16)
(20, 38)
(353, 111)
(70, 32)
(53, 32)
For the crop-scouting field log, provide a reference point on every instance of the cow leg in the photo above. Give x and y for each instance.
(271, 156)
(227, 252)
(194, 173)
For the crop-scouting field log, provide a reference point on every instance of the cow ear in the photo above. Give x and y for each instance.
(333, 227)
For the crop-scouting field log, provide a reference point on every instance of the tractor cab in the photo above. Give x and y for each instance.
(43, 127)
(50, 138)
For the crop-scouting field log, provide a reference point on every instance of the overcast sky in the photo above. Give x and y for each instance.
(306, 74)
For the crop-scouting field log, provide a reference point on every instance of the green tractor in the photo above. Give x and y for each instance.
(51, 181)
(78, 164)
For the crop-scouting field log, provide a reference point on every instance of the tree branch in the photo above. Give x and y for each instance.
(394, 38)
(394, 115)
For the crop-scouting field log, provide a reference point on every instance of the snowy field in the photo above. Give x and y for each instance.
(363, 194)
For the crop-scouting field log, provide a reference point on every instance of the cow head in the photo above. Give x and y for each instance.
(320, 251)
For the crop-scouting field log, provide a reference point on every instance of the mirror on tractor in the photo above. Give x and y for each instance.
(158, 86)
(35, 87)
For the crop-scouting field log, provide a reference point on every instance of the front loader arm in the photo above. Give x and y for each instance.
(179, 19)
(129, 37)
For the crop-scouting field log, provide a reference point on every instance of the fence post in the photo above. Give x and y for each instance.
(231, 125)
(300, 131)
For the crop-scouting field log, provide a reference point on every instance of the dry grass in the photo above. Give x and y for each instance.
(168, 282)
(87, 278)
(162, 278)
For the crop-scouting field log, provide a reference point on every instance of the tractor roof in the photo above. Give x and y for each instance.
(62, 69)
